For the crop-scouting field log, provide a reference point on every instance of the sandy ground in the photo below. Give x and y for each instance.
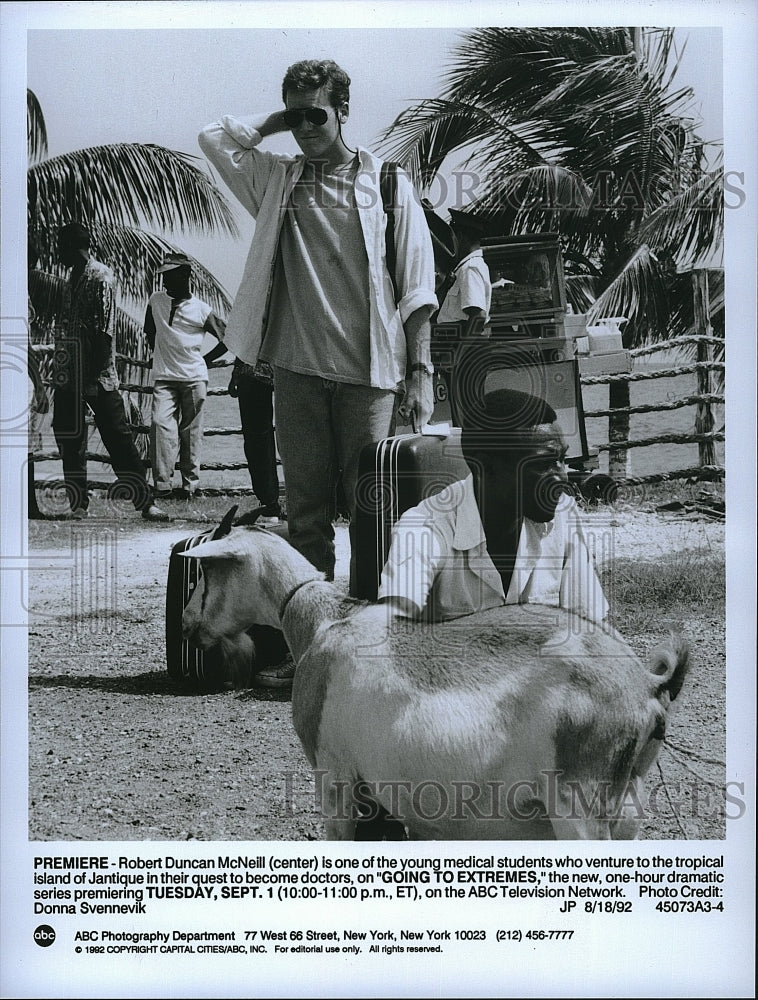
(119, 752)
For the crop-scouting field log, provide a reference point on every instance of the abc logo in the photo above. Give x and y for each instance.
(44, 935)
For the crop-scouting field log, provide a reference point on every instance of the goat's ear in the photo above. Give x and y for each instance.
(220, 548)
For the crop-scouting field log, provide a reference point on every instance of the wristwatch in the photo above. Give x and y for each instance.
(420, 367)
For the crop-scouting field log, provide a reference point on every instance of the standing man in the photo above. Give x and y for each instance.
(176, 322)
(316, 300)
(469, 292)
(466, 293)
(84, 374)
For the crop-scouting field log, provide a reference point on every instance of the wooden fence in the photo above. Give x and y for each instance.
(703, 433)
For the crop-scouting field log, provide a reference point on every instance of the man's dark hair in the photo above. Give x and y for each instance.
(312, 74)
(75, 235)
(498, 422)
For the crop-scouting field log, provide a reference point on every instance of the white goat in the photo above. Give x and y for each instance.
(518, 723)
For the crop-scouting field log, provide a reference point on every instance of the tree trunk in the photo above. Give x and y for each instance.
(618, 429)
(704, 421)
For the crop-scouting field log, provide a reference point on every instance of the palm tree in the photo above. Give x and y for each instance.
(123, 193)
(583, 132)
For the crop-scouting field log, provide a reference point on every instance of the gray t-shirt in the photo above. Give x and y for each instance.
(318, 318)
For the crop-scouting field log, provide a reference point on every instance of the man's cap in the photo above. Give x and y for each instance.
(173, 260)
(481, 225)
(75, 235)
(501, 418)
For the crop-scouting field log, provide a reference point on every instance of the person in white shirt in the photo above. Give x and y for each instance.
(470, 294)
(176, 322)
(316, 300)
(509, 533)
(466, 293)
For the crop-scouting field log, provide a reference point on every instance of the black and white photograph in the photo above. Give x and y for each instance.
(377, 466)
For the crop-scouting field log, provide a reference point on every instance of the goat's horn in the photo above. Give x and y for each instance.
(226, 523)
(245, 520)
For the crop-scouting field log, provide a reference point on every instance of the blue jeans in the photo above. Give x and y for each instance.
(321, 428)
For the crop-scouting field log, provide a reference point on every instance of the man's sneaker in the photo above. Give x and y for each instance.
(268, 520)
(79, 514)
(163, 494)
(153, 513)
(270, 515)
(276, 677)
(184, 494)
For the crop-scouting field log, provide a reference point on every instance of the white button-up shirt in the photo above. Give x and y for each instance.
(470, 290)
(438, 560)
(262, 182)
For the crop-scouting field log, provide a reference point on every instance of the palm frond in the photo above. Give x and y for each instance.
(584, 131)
(36, 131)
(547, 190)
(425, 134)
(640, 293)
(46, 296)
(127, 184)
(581, 291)
(690, 223)
(512, 68)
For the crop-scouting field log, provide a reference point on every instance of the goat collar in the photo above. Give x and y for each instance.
(288, 597)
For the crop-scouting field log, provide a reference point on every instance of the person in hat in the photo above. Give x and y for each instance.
(84, 375)
(510, 533)
(464, 292)
(176, 322)
(468, 295)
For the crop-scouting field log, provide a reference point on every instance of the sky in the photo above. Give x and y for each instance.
(162, 85)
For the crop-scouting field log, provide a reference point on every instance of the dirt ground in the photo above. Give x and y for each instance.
(117, 751)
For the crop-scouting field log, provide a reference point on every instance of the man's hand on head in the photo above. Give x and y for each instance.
(274, 123)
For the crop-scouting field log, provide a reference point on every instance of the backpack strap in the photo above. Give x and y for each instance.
(388, 190)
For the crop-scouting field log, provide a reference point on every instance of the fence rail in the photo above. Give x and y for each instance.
(688, 369)
(672, 404)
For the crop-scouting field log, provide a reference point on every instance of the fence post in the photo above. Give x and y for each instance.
(704, 421)
(618, 429)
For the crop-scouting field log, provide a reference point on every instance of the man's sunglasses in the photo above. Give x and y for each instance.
(293, 117)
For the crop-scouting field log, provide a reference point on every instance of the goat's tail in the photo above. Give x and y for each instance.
(669, 663)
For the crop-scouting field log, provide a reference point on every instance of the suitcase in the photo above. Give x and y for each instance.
(393, 476)
(186, 664)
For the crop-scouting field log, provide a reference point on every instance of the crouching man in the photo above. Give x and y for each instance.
(509, 533)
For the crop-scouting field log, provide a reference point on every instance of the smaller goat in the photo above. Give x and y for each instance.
(521, 722)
